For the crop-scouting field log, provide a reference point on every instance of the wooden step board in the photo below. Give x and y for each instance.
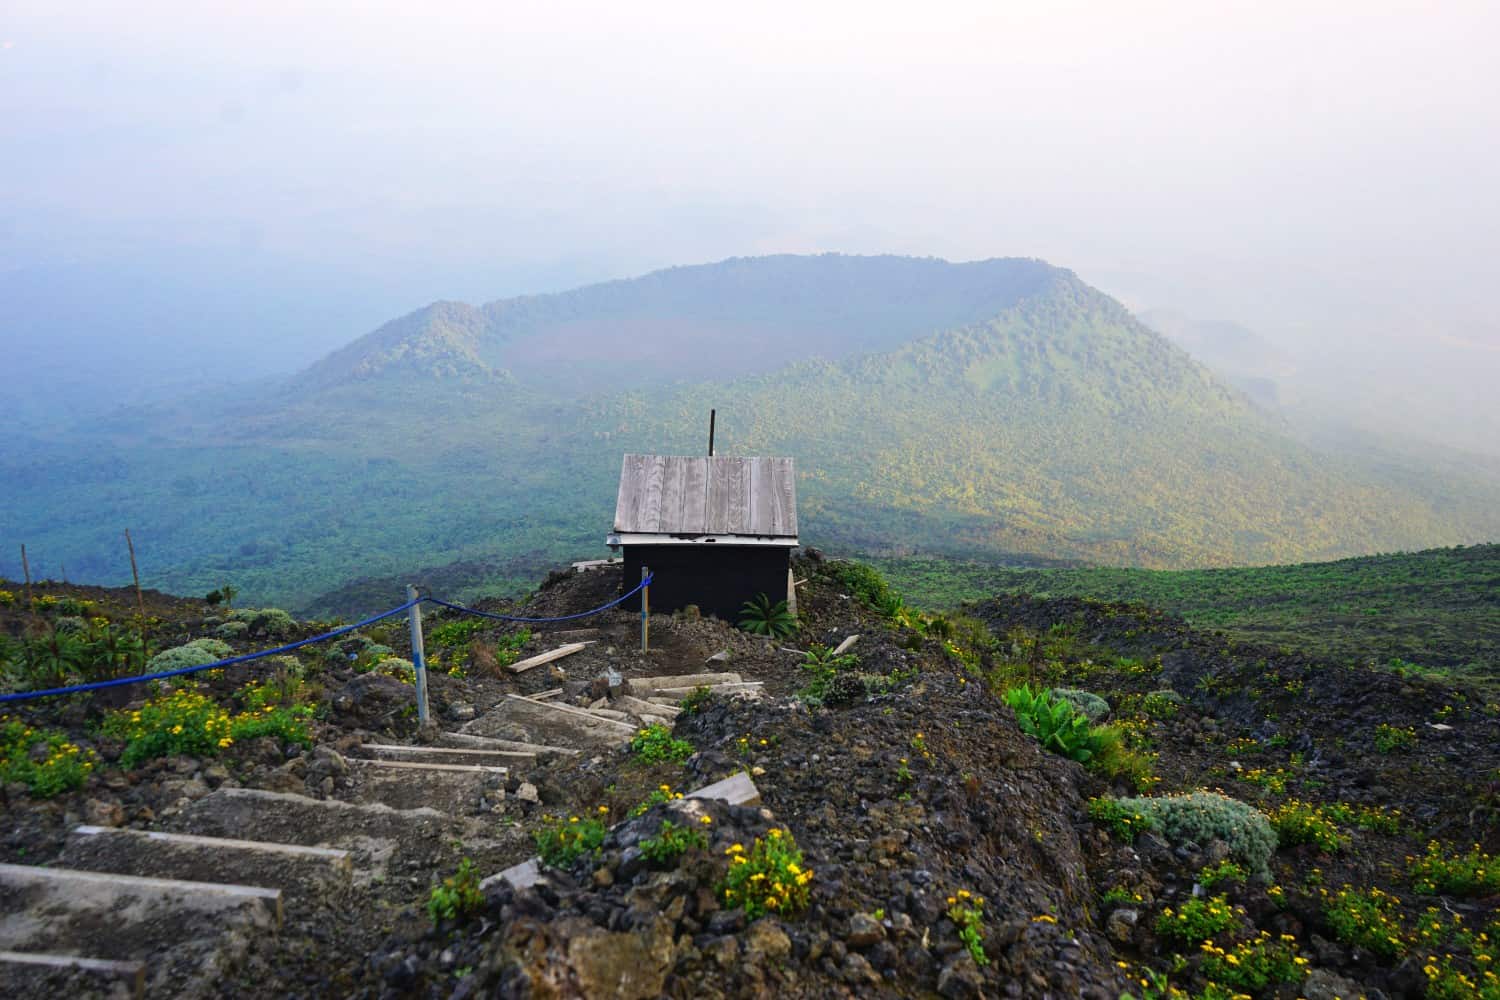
(457, 789)
(292, 868)
(738, 689)
(737, 789)
(34, 974)
(410, 765)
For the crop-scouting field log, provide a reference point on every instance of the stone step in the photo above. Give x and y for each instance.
(450, 755)
(457, 789)
(546, 722)
(644, 687)
(193, 933)
(295, 869)
(489, 742)
(382, 841)
(38, 974)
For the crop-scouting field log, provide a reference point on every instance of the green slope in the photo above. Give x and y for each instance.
(999, 408)
(1438, 609)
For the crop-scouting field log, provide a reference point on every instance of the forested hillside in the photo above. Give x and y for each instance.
(999, 409)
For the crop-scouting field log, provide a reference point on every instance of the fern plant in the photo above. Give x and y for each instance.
(761, 617)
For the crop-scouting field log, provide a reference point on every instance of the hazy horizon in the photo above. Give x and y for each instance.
(195, 196)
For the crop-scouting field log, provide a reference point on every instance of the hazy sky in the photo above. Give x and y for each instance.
(267, 180)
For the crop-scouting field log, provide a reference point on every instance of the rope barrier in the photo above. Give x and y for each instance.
(533, 621)
(246, 658)
(345, 630)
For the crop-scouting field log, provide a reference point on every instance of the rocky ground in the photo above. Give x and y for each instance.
(910, 786)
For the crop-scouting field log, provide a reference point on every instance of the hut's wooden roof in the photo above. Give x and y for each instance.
(683, 495)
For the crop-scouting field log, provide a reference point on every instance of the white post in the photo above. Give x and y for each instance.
(418, 659)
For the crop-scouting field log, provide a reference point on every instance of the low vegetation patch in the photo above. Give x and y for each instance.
(761, 617)
(672, 841)
(1203, 816)
(186, 721)
(560, 842)
(1297, 822)
(458, 896)
(1197, 919)
(1472, 873)
(769, 877)
(44, 760)
(1368, 919)
(966, 910)
(655, 744)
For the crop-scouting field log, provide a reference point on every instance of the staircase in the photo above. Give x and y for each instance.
(193, 909)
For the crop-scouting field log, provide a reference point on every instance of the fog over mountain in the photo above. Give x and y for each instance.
(190, 195)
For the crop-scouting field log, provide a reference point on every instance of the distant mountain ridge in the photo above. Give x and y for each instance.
(996, 409)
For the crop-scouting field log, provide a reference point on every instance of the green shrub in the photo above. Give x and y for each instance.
(44, 760)
(761, 617)
(661, 796)
(271, 623)
(1161, 704)
(1054, 723)
(1224, 871)
(1197, 919)
(1391, 739)
(561, 842)
(1298, 822)
(182, 721)
(451, 635)
(770, 878)
(1473, 873)
(1368, 919)
(1125, 822)
(655, 744)
(458, 896)
(672, 842)
(1204, 816)
(825, 669)
(863, 582)
(288, 724)
(233, 630)
(695, 699)
(966, 910)
(1090, 704)
(1113, 760)
(192, 654)
(1256, 964)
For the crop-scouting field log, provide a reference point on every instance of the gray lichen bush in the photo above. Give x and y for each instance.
(270, 622)
(193, 654)
(1090, 704)
(1204, 816)
(233, 630)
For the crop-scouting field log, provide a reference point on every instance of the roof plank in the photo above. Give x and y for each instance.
(729, 496)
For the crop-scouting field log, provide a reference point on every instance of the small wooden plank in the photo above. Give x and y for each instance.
(23, 875)
(577, 712)
(466, 751)
(556, 654)
(468, 739)
(737, 790)
(843, 647)
(651, 490)
(784, 497)
(728, 496)
(610, 713)
(693, 518)
(407, 765)
(133, 974)
(639, 684)
(584, 565)
(628, 502)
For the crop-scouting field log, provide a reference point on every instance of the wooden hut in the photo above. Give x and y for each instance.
(715, 530)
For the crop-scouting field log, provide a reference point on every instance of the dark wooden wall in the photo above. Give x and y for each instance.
(718, 578)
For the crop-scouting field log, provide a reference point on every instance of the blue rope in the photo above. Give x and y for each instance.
(563, 618)
(122, 681)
